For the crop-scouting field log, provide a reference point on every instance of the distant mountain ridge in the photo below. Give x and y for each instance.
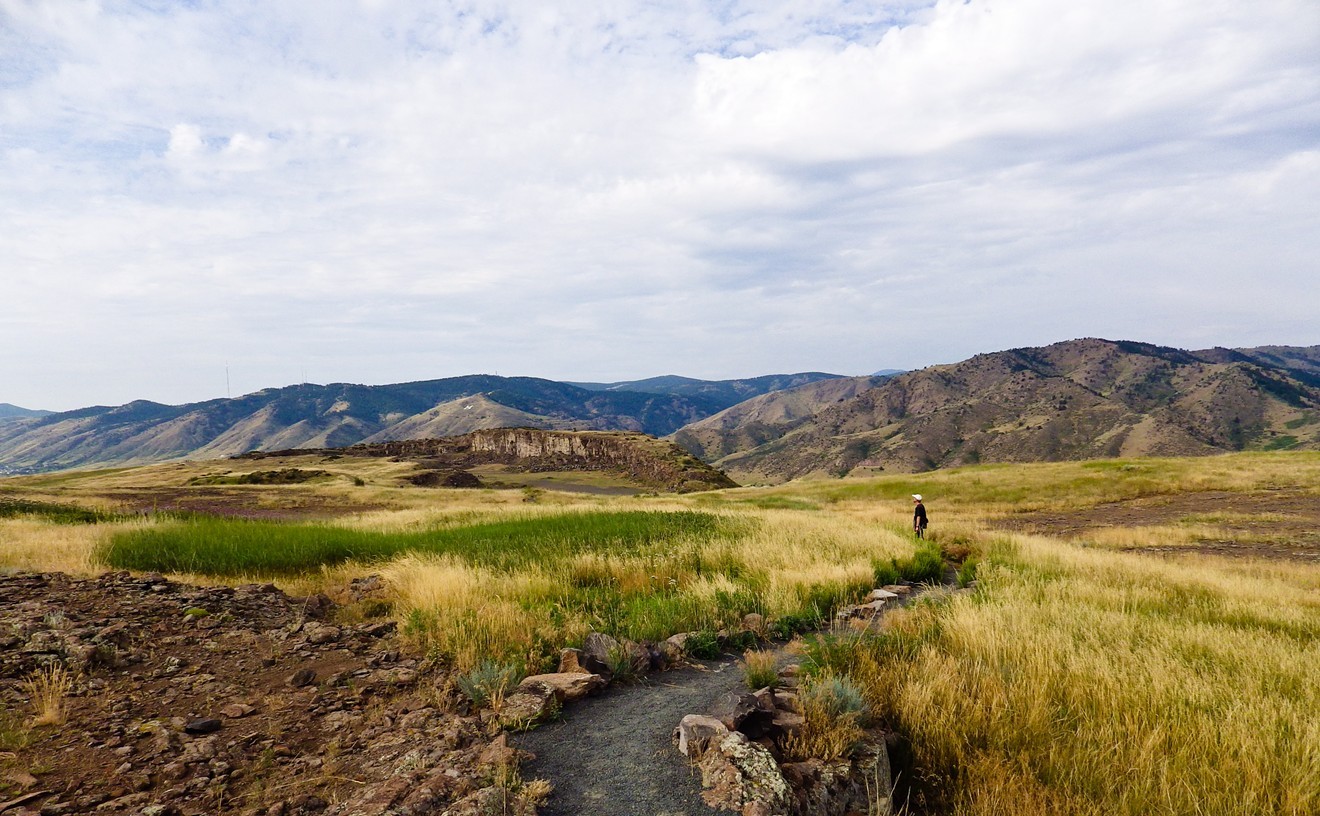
(713, 392)
(8, 411)
(1078, 399)
(337, 415)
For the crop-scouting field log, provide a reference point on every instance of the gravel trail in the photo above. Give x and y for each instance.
(611, 755)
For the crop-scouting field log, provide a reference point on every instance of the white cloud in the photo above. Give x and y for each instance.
(381, 192)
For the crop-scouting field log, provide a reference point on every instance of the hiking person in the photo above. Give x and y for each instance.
(919, 520)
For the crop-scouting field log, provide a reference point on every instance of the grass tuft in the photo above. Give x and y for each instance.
(48, 687)
(759, 670)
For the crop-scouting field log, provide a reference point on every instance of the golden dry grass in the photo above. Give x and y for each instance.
(48, 688)
(1086, 682)
(1074, 680)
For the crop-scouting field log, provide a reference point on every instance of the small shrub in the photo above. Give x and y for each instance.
(488, 684)
(887, 573)
(740, 641)
(759, 670)
(967, 572)
(702, 644)
(832, 708)
(837, 696)
(786, 626)
(623, 664)
(925, 566)
(358, 481)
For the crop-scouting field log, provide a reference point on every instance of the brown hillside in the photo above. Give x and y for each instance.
(767, 417)
(1075, 400)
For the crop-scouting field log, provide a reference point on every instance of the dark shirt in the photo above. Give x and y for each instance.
(919, 515)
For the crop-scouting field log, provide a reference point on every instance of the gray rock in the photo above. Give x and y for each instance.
(741, 711)
(597, 651)
(206, 725)
(568, 687)
(696, 732)
(532, 703)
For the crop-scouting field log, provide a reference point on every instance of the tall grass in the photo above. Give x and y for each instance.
(788, 564)
(1078, 681)
(233, 547)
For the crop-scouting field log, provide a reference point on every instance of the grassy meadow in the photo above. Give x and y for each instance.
(1081, 675)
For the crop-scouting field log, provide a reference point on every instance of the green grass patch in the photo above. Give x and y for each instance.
(775, 502)
(234, 547)
(59, 513)
(1284, 442)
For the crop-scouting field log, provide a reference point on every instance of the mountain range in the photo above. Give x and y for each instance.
(1078, 399)
(337, 415)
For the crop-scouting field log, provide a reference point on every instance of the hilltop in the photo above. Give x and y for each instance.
(1080, 399)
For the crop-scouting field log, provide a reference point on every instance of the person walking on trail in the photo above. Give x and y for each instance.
(919, 520)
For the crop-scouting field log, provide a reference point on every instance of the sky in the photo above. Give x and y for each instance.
(208, 198)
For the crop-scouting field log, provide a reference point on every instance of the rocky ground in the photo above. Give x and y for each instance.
(190, 700)
(177, 699)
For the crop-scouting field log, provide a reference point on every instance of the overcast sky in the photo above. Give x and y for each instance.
(379, 191)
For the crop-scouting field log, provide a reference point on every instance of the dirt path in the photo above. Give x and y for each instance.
(612, 755)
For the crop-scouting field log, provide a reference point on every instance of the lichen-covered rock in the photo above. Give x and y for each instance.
(567, 687)
(532, 703)
(736, 773)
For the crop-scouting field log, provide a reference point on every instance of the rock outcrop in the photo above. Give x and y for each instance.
(644, 460)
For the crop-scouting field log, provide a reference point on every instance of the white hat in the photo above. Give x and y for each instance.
(916, 496)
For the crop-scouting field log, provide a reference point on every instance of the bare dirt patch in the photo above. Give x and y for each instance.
(1276, 524)
(253, 503)
(190, 700)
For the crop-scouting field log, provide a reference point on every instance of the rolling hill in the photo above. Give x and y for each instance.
(320, 416)
(1079, 399)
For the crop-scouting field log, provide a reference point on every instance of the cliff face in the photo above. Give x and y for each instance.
(648, 461)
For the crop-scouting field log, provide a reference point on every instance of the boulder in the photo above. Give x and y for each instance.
(740, 711)
(736, 773)
(597, 651)
(696, 732)
(900, 590)
(570, 662)
(675, 647)
(568, 687)
(530, 704)
(881, 595)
